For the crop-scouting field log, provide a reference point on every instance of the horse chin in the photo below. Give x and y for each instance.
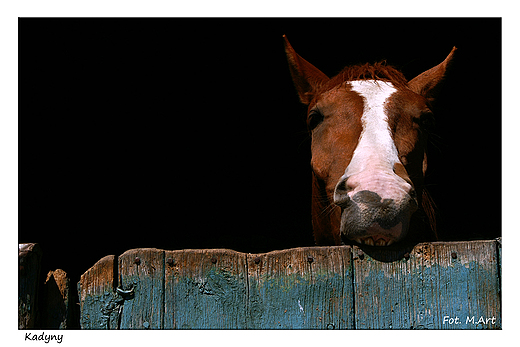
(373, 233)
(378, 236)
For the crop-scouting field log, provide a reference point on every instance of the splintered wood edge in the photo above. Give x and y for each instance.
(101, 275)
(105, 266)
(98, 278)
(26, 248)
(230, 251)
(61, 279)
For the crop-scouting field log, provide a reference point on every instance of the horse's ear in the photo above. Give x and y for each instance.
(306, 77)
(427, 84)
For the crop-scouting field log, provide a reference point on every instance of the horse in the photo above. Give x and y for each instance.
(369, 130)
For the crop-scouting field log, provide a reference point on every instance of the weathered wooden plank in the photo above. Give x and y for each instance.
(56, 301)
(452, 285)
(433, 285)
(99, 305)
(29, 258)
(301, 288)
(141, 282)
(205, 289)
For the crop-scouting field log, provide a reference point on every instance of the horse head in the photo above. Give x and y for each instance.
(369, 129)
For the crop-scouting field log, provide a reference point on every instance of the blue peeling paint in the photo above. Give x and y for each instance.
(365, 294)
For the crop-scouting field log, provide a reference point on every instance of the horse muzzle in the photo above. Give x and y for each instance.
(375, 220)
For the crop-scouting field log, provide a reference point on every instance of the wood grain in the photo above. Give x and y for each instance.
(301, 288)
(427, 286)
(56, 301)
(206, 289)
(438, 286)
(142, 271)
(96, 290)
(29, 262)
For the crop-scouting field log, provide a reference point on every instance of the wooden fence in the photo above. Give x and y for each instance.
(29, 259)
(440, 285)
(42, 303)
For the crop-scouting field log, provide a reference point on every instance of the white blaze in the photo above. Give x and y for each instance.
(376, 149)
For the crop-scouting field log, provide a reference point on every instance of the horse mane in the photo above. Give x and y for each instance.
(377, 71)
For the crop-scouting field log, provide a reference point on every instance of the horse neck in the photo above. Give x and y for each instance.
(325, 216)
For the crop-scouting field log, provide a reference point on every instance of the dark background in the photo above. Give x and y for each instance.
(188, 133)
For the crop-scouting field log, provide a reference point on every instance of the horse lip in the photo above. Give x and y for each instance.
(369, 241)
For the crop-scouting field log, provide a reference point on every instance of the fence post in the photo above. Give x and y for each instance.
(57, 310)
(29, 259)
(99, 304)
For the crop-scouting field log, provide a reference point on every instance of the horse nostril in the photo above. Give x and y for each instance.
(386, 203)
(342, 186)
(341, 197)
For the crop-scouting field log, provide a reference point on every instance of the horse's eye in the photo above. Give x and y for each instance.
(314, 119)
(427, 121)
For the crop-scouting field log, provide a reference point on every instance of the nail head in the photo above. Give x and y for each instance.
(454, 255)
(137, 260)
